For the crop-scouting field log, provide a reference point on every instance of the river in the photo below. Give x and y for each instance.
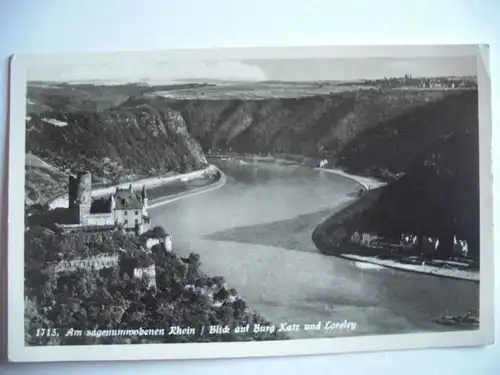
(255, 231)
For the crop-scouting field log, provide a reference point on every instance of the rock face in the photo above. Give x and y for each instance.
(116, 145)
(316, 126)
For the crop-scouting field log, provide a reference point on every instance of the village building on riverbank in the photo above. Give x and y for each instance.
(407, 242)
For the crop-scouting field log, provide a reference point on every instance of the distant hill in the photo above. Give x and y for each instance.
(87, 97)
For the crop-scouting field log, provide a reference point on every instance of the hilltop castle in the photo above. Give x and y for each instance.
(122, 209)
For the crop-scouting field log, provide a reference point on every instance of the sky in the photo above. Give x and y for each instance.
(253, 70)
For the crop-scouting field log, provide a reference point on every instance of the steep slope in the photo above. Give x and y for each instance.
(43, 181)
(395, 143)
(112, 299)
(438, 197)
(115, 145)
(318, 126)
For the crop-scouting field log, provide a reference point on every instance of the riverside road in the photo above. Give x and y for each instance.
(255, 231)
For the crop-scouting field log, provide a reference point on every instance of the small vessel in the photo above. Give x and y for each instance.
(467, 320)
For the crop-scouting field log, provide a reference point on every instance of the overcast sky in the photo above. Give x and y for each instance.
(255, 70)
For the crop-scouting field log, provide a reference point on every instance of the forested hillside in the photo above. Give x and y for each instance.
(115, 145)
(395, 144)
(437, 196)
(112, 299)
(319, 125)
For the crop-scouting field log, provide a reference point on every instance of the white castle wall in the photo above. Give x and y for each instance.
(97, 262)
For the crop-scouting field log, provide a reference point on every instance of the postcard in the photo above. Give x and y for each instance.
(248, 202)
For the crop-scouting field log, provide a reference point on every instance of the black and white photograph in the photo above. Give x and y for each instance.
(271, 202)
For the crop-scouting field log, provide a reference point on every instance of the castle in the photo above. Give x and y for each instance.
(123, 209)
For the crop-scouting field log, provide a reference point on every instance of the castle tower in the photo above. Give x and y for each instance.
(80, 197)
(144, 197)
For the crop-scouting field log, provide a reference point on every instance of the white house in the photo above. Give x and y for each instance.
(147, 273)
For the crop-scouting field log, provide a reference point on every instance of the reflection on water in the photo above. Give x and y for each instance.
(249, 231)
(264, 172)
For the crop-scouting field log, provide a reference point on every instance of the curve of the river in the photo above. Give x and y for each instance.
(256, 232)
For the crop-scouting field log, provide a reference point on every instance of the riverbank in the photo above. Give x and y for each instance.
(368, 183)
(331, 237)
(152, 182)
(442, 271)
(351, 209)
(256, 232)
(221, 181)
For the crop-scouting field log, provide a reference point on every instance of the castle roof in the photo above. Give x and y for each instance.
(127, 200)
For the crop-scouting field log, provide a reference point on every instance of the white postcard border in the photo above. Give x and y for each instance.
(18, 352)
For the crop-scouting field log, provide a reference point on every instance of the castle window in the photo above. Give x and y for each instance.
(136, 213)
(125, 222)
(126, 213)
(137, 221)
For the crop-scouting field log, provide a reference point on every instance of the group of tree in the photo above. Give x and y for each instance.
(113, 299)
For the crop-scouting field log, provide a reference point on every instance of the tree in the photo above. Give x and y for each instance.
(159, 232)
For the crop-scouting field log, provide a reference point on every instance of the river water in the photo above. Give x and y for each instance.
(256, 230)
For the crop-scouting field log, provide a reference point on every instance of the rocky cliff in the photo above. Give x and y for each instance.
(319, 126)
(115, 145)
